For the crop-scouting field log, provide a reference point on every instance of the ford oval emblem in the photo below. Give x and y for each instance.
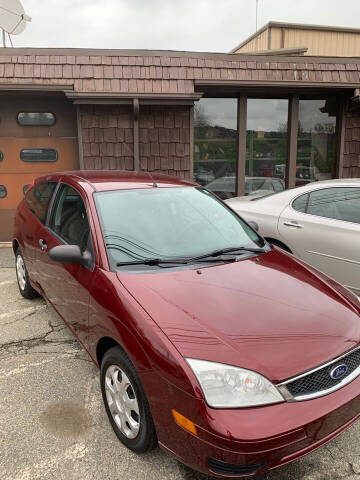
(338, 372)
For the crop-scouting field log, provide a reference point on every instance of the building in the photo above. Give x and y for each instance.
(310, 40)
(227, 120)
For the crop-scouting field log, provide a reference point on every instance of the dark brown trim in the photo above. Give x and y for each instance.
(282, 41)
(280, 83)
(293, 122)
(191, 113)
(241, 160)
(43, 87)
(128, 97)
(136, 134)
(128, 101)
(80, 140)
(340, 139)
(269, 39)
(170, 53)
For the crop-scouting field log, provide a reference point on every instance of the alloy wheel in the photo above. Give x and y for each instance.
(20, 272)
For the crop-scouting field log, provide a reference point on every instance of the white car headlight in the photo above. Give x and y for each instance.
(225, 386)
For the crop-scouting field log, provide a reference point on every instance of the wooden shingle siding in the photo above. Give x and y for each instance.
(351, 161)
(165, 140)
(166, 73)
(107, 137)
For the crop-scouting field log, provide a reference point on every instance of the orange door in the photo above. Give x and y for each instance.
(32, 150)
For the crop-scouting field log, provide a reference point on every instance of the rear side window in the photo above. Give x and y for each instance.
(36, 118)
(339, 203)
(38, 199)
(39, 155)
(300, 203)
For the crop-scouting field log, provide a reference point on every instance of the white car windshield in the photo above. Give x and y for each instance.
(176, 222)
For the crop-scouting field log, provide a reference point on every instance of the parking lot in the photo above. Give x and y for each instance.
(53, 424)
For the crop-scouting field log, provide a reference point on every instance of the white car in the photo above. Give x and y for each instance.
(318, 222)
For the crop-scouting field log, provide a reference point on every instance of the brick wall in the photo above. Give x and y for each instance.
(107, 137)
(164, 134)
(351, 163)
(165, 139)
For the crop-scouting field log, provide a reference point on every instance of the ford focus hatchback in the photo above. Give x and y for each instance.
(228, 353)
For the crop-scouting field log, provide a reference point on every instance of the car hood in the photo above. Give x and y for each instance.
(269, 313)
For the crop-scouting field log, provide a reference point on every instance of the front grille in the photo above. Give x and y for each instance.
(224, 468)
(320, 379)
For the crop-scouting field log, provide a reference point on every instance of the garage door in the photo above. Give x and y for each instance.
(38, 135)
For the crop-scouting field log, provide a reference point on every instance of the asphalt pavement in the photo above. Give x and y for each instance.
(52, 422)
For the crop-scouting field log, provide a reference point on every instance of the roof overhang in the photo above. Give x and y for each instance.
(104, 98)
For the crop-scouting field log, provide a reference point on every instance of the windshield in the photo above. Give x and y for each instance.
(167, 223)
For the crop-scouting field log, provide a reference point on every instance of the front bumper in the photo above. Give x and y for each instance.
(261, 438)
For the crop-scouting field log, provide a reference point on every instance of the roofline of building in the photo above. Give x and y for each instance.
(238, 57)
(297, 26)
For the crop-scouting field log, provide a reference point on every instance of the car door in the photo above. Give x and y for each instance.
(323, 228)
(37, 200)
(65, 285)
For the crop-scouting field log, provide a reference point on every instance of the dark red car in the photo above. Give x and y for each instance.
(230, 354)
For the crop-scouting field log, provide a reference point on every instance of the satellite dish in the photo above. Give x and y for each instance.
(12, 17)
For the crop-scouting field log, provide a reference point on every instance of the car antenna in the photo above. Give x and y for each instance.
(153, 181)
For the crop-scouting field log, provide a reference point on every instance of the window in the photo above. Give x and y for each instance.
(36, 119)
(39, 155)
(3, 191)
(339, 203)
(38, 199)
(266, 144)
(1, 156)
(316, 140)
(300, 204)
(166, 221)
(69, 218)
(215, 145)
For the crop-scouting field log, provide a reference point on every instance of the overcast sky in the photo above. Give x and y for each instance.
(198, 25)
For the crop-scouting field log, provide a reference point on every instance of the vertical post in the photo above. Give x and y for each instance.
(3, 38)
(293, 122)
(136, 134)
(191, 126)
(80, 139)
(340, 139)
(241, 160)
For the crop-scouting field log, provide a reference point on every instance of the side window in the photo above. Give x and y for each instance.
(38, 199)
(300, 203)
(69, 219)
(339, 203)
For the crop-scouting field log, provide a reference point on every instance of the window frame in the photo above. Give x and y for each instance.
(51, 212)
(319, 216)
(35, 125)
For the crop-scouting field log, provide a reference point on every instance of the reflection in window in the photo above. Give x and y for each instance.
(316, 140)
(3, 191)
(266, 146)
(38, 199)
(39, 155)
(337, 203)
(215, 145)
(36, 118)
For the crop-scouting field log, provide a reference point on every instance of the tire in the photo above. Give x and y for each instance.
(22, 276)
(129, 414)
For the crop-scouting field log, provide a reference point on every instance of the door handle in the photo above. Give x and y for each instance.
(293, 224)
(42, 244)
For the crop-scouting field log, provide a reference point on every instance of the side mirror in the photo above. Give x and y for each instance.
(254, 225)
(70, 254)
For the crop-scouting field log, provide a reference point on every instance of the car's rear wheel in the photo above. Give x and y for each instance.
(22, 276)
(126, 403)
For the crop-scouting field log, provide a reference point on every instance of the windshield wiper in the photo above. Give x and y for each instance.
(224, 251)
(153, 261)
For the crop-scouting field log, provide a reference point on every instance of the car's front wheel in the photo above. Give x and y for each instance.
(126, 403)
(22, 276)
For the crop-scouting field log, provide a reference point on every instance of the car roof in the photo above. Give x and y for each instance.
(103, 180)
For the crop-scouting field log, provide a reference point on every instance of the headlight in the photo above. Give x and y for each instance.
(225, 386)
